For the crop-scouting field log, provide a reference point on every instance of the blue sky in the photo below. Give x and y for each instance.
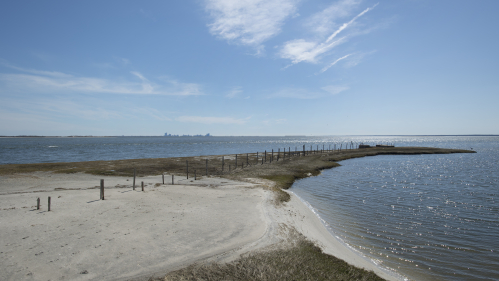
(253, 67)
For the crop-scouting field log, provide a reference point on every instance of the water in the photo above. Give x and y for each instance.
(67, 149)
(428, 217)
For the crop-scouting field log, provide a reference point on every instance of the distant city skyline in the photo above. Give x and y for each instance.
(249, 68)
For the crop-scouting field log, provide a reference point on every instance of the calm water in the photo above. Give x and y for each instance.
(43, 150)
(428, 217)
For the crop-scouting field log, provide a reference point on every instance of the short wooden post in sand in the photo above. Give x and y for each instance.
(163, 175)
(206, 172)
(187, 168)
(142, 184)
(49, 203)
(223, 163)
(172, 180)
(102, 189)
(195, 175)
(272, 156)
(265, 156)
(236, 162)
(257, 157)
(133, 178)
(278, 153)
(38, 203)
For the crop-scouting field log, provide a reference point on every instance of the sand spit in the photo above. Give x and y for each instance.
(135, 234)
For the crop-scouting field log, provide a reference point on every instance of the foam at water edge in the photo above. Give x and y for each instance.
(388, 270)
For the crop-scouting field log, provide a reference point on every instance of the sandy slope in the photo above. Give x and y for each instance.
(135, 234)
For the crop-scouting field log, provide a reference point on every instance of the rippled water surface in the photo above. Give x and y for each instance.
(429, 217)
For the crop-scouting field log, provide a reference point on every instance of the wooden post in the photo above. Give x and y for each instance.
(163, 175)
(278, 153)
(223, 163)
(272, 156)
(195, 178)
(247, 159)
(142, 186)
(38, 203)
(303, 150)
(133, 178)
(265, 156)
(172, 180)
(206, 167)
(187, 167)
(236, 162)
(102, 189)
(49, 203)
(257, 158)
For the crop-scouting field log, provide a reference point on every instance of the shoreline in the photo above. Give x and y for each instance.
(268, 210)
(384, 272)
(80, 239)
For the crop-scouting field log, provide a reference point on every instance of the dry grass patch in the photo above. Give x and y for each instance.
(301, 261)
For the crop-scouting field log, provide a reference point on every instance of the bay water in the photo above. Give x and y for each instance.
(426, 217)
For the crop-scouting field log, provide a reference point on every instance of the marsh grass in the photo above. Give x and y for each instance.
(299, 260)
(282, 173)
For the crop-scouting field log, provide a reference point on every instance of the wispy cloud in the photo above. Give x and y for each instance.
(236, 91)
(335, 89)
(83, 109)
(294, 93)
(212, 120)
(249, 22)
(356, 58)
(37, 81)
(334, 62)
(311, 51)
(324, 22)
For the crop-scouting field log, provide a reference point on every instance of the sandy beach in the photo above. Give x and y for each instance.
(133, 235)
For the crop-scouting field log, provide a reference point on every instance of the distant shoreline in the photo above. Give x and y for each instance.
(285, 136)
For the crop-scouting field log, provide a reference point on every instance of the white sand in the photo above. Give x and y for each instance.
(135, 234)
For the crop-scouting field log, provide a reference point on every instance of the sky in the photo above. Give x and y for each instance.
(249, 67)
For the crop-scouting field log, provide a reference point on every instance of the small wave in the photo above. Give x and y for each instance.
(53, 146)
